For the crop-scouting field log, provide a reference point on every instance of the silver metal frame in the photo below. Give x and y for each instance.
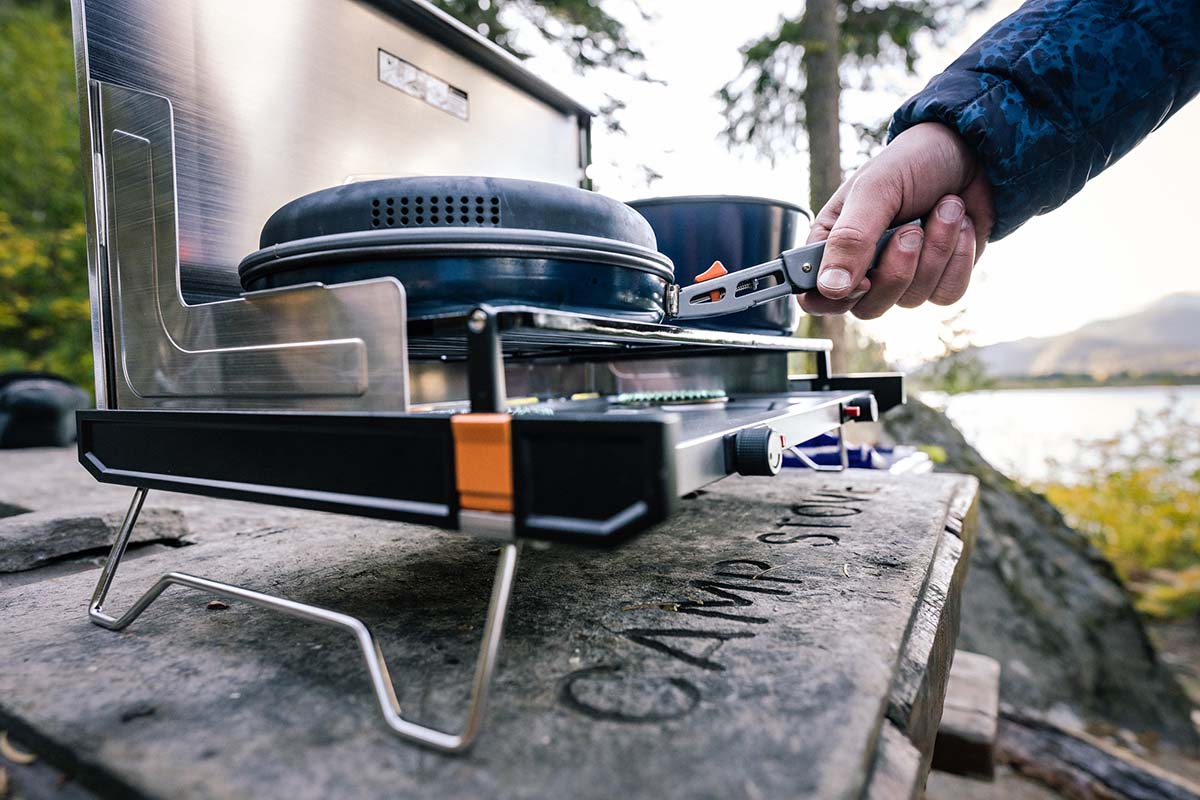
(313, 347)
(372, 652)
(199, 118)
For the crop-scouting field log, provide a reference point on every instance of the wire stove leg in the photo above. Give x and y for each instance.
(489, 649)
(842, 464)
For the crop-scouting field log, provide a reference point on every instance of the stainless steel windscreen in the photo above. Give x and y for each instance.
(273, 99)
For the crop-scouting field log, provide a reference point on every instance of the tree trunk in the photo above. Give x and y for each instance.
(822, 99)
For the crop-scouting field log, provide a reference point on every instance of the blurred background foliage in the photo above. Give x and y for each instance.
(766, 106)
(1137, 498)
(958, 368)
(589, 35)
(43, 256)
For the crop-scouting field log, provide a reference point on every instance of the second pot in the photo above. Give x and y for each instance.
(694, 231)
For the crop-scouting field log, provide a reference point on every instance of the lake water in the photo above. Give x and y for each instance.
(1017, 430)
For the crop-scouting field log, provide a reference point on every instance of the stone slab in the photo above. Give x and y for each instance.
(750, 646)
(37, 538)
(47, 478)
(52, 510)
(896, 773)
(38, 780)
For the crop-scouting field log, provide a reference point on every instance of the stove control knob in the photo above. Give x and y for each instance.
(861, 409)
(758, 451)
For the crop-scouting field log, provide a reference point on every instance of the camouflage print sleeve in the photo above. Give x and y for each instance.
(1059, 90)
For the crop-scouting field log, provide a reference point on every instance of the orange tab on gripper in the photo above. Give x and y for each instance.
(715, 271)
(483, 461)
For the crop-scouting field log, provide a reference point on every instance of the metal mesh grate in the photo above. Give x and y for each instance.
(430, 211)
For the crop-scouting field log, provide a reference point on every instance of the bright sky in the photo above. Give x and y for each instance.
(1125, 241)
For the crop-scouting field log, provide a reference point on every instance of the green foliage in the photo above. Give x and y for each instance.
(936, 453)
(43, 261)
(44, 315)
(958, 369)
(590, 36)
(865, 354)
(40, 183)
(1138, 500)
(764, 106)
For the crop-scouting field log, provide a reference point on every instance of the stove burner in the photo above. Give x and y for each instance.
(671, 396)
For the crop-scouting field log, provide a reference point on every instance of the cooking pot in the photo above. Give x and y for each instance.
(694, 231)
(455, 242)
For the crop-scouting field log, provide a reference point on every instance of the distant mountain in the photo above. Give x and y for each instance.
(1163, 337)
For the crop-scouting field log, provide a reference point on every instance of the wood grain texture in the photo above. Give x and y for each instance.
(966, 737)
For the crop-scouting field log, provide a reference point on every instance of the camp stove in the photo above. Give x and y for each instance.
(508, 420)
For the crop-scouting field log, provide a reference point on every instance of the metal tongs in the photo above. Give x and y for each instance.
(718, 292)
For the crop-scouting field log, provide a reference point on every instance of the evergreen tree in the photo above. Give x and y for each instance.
(588, 34)
(789, 90)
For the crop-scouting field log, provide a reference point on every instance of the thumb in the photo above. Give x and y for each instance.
(850, 247)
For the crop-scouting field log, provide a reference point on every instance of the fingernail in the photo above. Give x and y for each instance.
(950, 211)
(911, 240)
(857, 295)
(835, 279)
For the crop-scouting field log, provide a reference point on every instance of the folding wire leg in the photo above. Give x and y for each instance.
(807, 460)
(493, 631)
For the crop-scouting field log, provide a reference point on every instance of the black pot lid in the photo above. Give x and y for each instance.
(433, 243)
(456, 203)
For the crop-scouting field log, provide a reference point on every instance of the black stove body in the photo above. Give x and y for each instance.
(601, 425)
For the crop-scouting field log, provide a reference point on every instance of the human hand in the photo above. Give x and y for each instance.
(926, 172)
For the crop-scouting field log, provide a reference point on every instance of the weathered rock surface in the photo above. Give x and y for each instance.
(47, 478)
(39, 537)
(51, 482)
(1049, 607)
(751, 646)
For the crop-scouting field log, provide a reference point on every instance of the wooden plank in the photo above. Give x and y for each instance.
(916, 701)
(1083, 766)
(966, 738)
(750, 646)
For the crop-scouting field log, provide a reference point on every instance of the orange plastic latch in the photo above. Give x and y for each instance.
(483, 461)
(715, 271)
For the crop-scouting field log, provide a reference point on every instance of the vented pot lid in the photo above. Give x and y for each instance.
(432, 244)
(455, 242)
(456, 203)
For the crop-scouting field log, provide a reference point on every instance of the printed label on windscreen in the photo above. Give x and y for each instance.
(414, 81)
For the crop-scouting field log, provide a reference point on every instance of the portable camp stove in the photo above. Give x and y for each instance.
(509, 422)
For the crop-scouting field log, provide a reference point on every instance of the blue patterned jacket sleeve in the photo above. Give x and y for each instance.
(1059, 90)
